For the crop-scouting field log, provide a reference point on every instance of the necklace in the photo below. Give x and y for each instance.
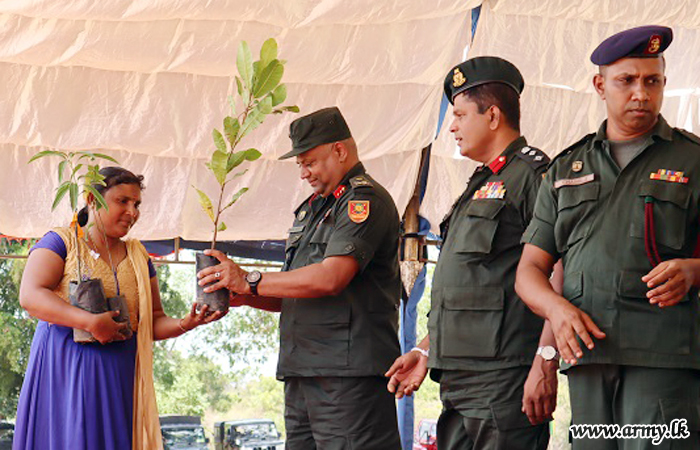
(95, 254)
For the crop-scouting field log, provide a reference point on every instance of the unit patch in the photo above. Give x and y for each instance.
(358, 210)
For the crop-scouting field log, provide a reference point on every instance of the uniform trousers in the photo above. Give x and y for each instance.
(340, 413)
(632, 395)
(481, 410)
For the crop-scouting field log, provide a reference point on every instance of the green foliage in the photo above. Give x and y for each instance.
(188, 385)
(259, 90)
(16, 329)
(78, 183)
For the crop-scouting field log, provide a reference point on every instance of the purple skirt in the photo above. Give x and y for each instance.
(75, 396)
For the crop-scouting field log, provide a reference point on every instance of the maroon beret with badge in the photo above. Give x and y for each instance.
(642, 42)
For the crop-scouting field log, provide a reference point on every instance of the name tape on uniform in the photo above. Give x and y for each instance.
(574, 181)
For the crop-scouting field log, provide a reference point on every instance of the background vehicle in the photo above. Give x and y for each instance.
(7, 432)
(254, 434)
(425, 437)
(183, 433)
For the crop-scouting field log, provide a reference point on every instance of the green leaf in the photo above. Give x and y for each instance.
(239, 84)
(206, 204)
(232, 104)
(219, 140)
(235, 160)
(268, 52)
(269, 78)
(252, 154)
(107, 157)
(221, 227)
(218, 166)
(279, 95)
(256, 116)
(239, 174)
(101, 203)
(244, 62)
(76, 169)
(294, 109)
(236, 196)
(73, 196)
(61, 168)
(47, 153)
(231, 127)
(60, 193)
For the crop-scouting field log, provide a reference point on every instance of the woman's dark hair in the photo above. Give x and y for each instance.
(113, 176)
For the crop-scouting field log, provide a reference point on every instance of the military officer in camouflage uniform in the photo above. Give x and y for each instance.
(338, 294)
(482, 338)
(621, 208)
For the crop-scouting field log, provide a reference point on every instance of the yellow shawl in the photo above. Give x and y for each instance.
(147, 434)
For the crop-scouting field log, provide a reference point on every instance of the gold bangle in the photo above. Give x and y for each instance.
(179, 323)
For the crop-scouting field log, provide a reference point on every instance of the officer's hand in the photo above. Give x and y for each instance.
(230, 275)
(568, 322)
(671, 280)
(407, 374)
(540, 391)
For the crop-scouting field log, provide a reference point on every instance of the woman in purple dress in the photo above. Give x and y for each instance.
(95, 396)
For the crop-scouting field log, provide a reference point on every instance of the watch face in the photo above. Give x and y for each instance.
(253, 276)
(549, 353)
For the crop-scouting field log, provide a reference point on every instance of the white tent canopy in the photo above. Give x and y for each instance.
(146, 81)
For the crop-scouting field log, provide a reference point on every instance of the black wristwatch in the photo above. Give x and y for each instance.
(253, 278)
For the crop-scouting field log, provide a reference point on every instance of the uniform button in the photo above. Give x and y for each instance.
(349, 247)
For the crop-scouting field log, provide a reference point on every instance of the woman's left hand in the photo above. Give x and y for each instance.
(196, 318)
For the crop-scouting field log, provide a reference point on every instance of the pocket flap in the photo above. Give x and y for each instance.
(677, 409)
(473, 298)
(487, 208)
(631, 285)
(676, 193)
(292, 241)
(570, 196)
(509, 416)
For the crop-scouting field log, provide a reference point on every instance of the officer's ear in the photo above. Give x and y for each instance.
(341, 151)
(495, 116)
(599, 84)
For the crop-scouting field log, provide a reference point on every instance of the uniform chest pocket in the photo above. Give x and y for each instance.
(670, 205)
(322, 234)
(575, 213)
(477, 230)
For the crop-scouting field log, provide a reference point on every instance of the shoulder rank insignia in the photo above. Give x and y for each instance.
(360, 181)
(534, 157)
(492, 189)
(669, 175)
(358, 210)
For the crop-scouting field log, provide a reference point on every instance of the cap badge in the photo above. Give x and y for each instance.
(576, 166)
(654, 44)
(458, 78)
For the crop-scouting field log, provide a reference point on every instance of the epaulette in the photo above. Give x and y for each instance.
(535, 157)
(360, 181)
(570, 148)
(688, 135)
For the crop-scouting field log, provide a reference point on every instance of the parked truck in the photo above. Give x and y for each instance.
(183, 433)
(252, 434)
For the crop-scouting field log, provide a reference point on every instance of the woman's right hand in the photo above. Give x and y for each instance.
(105, 329)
